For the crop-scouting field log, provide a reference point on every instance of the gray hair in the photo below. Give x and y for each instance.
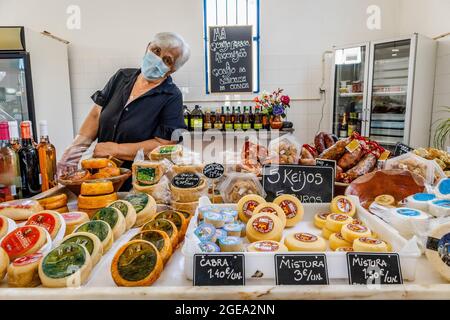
(173, 40)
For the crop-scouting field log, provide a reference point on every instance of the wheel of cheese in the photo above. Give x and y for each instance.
(247, 204)
(214, 218)
(326, 233)
(274, 209)
(48, 219)
(368, 244)
(159, 239)
(267, 246)
(127, 210)
(264, 226)
(101, 229)
(24, 241)
(343, 205)
(178, 220)
(443, 189)
(187, 215)
(166, 226)
(188, 207)
(440, 208)
(335, 221)
(385, 200)
(302, 241)
(170, 152)
(292, 207)
(144, 205)
(320, 219)
(92, 202)
(231, 244)
(62, 209)
(4, 262)
(438, 249)
(109, 171)
(96, 188)
(6, 226)
(114, 218)
(95, 163)
(88, 240)
(404, 219)
(420, 201)
(54, 202)
(136, 263)
(189, 194)
(19, 209)
(352, 231)
(68, 265)
(74, 219)
(336, 241)
(147, 173)
(23, 272)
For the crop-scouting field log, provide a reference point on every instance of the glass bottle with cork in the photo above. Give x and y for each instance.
(29, 163)
(47, 158)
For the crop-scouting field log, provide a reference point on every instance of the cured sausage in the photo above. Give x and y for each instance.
(335, 151)
(350, 159)
(328, 139)
(365, 165)
(319, 142)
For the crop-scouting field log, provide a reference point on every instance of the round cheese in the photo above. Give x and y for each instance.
(438, 249)
(320, 219)
(96, 188)
(343, 205)
(206, 232)
(233, 229)
(420, 201)
(88, 240)
(189, 194)
(49, 220)
(367, 244)
(101, 229)
(335, 221)
(4, 262)
(114, 218)
(95, 163)
(23, 272)
(62, 209)
(178, 220)
(264, 226)
(68, 265)
(403, 219)
(292, 208)
(215, 219)
(19, 209)
(301, 241)
(127, 210)
(272, 208)
(443, 189)
(267, 246)
(137, 263)
(209, 247)
(73, 220)
(144, 205)
(23, 241)
(351, 231)
(385, 200)
(439, 208)
(93, 202)
(166, 226)
(326, 233)
(6, 226)
(54, 202)
(159, 239)
(337, 241)
(247, 205)
(182, 206)
(231, 244)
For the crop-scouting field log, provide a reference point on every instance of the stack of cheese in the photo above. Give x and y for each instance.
(185, 197)
(149, 177)
(95, 195)
(57, 203)
(100, 168)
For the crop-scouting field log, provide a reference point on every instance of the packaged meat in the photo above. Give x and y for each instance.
(335, 151)
(350, 159)
(286, 150)
(319, 142)
(237, 185)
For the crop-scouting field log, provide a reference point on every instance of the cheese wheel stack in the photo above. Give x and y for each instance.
(95, 196)
(57, 203)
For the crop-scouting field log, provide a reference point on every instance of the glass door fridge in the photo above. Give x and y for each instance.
(350, 89)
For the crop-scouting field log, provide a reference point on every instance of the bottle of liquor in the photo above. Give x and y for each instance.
(9, 167)
(31, 132)
(222, 118)
(197, 118)
(47, 158)
(246, 125)
(343, 128)
(251, 116)
(207, 124)
(257, 123)
(352, 123)
(233, 116)
(228, 123)
(218, 122)
(213, 119)
(187, 116)
(14, 135)
(241, 114)
(237, 120)
(29, 163)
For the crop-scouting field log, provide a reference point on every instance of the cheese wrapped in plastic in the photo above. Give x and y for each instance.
(237, 185)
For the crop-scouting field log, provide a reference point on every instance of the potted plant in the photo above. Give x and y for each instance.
(442, 131)
(274, 106)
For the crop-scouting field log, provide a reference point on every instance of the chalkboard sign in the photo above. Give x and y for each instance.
(401, 148)
(213, 170)
(326, 163)
(219, 270)
(186, 180)
(374, 268)
(308, 183)
(301, 269)
(230, 59)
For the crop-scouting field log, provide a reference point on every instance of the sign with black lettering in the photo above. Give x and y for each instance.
(401, 148)
(301, 269)
(186, 180)
(219, 270)
(213, 170)
(230, 59)
(374, 268)
(308, 183)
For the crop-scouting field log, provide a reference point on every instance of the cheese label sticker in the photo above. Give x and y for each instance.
(356, 228)
(171, 216)
(20, 240)
(444, 249)
(138, 201)
(208, 247)
(137, 261)
(356, 221)
(289, 208)
(352, 146)
(17, 204)
(408, 212)
(323, 216)
(263, 224)
(29, 259)
(370, 240)
(249, 207)
(82, 241)
(268, 210)
(44, 220)
(70, 216)
(339, 236)
(442, 203)
(423, 196)
(444, 186)
(167, 149)
(145, 175)
(344, 205)
(98, 228)
(109, 215)
(266, 246)
(64, 260)
(339, 217)
(305, 237)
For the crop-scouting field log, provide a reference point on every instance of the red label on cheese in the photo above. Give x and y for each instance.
(339, 236)
(18, 204)
(356, 221)
(29, 259)
(266, 246)
(70, 216)
(20, 240)
(289, 208)
(263, 224)
(339, 217)
(356, 228)
(249, 207)
(268, 210)
(344, 205)
(370, 240)
(305, 237)
(44, 220)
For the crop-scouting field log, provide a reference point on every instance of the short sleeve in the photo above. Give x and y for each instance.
(171, 119)
(102, 97)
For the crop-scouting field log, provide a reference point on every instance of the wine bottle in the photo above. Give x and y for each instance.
(29, 163)
(14, 135)
(47, 158)
(251, 116)
(10, 186)
(207, 120)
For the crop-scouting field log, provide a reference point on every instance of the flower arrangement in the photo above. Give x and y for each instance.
(273, 104)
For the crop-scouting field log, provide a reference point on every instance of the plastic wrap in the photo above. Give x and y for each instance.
(284, 150)
(72, 155)
(237, 185)
(414, 163)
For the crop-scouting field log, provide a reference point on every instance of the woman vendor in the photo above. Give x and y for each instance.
(137, 109)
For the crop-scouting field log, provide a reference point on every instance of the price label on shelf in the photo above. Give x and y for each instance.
(301, 269)
(186, 180)
(213, 170)
(374, 268)
(219, 270)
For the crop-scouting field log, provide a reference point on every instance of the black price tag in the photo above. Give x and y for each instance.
(186, 180)
(213, 170)
(401, 148)
(326, 163)
(374, 268)
(308, 183)
(301, 269)
(219, 270)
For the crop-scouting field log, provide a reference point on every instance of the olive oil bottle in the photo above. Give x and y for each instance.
(207, 120)
(237, 120)
(197, 118)
(228, 122)
(218, 125)
(187, 117)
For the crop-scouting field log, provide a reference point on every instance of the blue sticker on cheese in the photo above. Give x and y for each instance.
(424, 197)
(444, 186)
(408, 212)
(205, 232)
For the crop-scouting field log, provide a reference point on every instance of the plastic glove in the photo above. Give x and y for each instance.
(72, 155)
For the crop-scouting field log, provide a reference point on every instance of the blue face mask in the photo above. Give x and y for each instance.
(152, 67)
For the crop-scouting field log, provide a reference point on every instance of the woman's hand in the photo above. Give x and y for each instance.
(105, 149)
